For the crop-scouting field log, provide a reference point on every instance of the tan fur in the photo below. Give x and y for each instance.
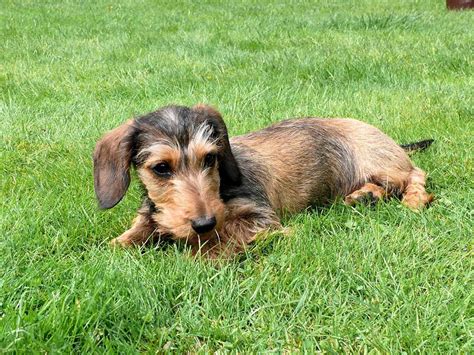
(140, 233)
(288, 167)
(187, 198)
(415, 196)
(367, 193)
(287, 186)
(244, 220)
(378, 156)
(378, 159)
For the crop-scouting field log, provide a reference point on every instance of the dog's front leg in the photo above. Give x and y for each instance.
(143, 229)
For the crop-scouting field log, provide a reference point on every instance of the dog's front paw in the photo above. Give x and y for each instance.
(122, 241)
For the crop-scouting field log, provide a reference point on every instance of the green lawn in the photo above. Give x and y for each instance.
(346, 280)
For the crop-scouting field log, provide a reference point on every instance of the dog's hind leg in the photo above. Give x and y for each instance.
(368, 193)
(415, 195)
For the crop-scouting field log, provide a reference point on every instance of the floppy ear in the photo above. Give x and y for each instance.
(228, 168)
(112, 157)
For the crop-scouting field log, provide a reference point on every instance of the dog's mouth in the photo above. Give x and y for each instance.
(186, 234)
(203, 238)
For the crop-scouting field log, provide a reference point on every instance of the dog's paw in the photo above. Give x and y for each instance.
(357, 197)
(367, 194)
(120, 242)
(418, 200)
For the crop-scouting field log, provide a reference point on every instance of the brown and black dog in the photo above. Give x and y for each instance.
(218, 194)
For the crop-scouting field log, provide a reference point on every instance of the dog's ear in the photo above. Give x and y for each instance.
(112, 158)
(228, 168)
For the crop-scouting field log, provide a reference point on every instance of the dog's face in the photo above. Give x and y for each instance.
(183, 158)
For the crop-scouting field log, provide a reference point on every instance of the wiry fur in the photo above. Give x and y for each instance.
(256, 179)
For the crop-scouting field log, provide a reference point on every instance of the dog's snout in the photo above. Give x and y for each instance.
(203, 224)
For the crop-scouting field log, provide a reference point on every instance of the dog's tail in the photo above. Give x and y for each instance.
(417, 146)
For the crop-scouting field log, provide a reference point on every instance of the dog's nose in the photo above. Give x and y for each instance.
(204, 224)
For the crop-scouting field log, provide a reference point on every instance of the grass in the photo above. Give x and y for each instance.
(355, 280)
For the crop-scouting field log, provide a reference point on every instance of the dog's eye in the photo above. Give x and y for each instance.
(210, 160)
(162, 169)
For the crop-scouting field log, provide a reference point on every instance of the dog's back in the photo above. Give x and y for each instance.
(311, 161)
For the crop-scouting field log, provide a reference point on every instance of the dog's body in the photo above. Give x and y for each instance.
(218, 194)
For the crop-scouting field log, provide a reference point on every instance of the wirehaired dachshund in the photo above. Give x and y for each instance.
(217, 194)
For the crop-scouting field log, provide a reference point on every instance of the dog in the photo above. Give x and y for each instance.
(218, 194)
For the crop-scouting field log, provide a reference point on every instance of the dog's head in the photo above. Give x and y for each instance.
(183, 158)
